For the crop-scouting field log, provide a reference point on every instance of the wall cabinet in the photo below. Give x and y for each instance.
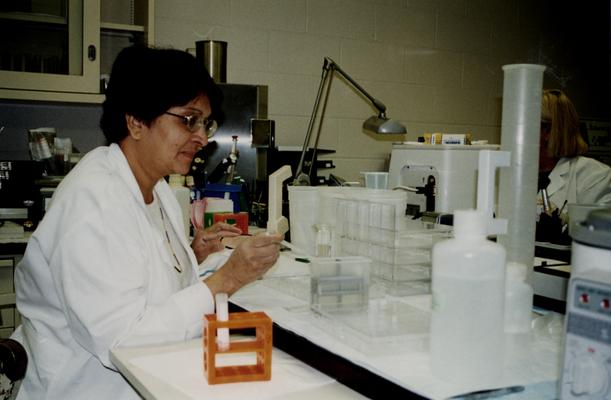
(58, 50)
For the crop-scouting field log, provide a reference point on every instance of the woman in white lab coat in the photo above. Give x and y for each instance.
(573, 178)
(108, 266)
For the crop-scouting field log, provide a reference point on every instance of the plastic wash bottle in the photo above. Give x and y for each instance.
(468, 294)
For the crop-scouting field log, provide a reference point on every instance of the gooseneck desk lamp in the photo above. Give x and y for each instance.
(379, 124)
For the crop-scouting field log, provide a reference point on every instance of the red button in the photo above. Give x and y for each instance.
(605, 304)
(584, 298)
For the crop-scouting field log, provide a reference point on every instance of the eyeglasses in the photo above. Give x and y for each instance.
(196, 121)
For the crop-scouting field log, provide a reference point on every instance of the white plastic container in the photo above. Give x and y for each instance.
(183, 195)
(468, 288)
(303, 216)
(215, 205)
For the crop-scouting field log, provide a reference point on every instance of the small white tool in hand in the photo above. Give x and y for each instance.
(276, 223)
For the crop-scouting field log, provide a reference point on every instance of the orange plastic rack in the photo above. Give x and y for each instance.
(261, 345)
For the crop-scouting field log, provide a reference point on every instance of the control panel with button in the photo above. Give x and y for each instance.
(587, 360)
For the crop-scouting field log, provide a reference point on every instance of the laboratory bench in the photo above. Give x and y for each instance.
(309, 362)
(378, 362)
(378, 353)
(174, 372)
(343, 370)
(334, 355)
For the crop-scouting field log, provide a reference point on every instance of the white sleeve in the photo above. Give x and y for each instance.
(214, 261)
(594, 183)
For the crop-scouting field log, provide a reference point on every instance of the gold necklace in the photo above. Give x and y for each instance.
(167, 236)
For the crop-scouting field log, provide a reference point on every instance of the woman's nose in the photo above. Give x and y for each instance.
(200, 136)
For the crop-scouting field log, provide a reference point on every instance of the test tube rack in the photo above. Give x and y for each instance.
(261, 345)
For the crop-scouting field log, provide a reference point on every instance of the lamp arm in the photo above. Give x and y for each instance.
(329, 67)
(325, 99)
(375, 102)
(301, 178)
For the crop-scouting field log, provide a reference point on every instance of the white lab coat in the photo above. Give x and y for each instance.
(96, 275)
(580, 180)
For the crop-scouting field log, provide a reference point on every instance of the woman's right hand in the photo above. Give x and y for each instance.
(249, 261)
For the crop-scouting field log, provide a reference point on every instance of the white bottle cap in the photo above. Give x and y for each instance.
(189, 181)
(177, 180)
(470, 223)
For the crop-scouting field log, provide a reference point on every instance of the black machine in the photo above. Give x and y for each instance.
(20, 199)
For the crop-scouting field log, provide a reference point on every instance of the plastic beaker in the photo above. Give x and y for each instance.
(376, 180)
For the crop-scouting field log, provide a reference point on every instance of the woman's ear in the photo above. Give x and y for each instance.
(134, 126)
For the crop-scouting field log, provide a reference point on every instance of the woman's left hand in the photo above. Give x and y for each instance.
(208, 241)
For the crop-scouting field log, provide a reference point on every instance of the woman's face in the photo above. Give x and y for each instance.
(173, 145)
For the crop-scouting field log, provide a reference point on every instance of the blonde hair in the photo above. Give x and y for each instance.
(565, 140)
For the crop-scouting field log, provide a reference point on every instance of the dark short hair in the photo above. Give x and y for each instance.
(145, 82)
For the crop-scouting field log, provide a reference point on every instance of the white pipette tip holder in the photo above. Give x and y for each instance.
(276, 222)
(489, 161)
(222, 315)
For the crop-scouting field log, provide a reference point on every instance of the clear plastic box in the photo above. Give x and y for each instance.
(339, 283)
(399, 255)
(366, 209)
(386, 326)
(422, 235)
(402, 272)
(406, 288)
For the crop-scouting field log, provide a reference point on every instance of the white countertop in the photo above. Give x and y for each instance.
(400, 354)
(175, 372)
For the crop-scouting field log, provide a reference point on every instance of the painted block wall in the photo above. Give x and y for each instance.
(436, 64)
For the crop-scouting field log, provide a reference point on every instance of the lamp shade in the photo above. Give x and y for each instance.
(381, 125)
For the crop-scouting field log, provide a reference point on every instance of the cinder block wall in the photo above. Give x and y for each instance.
(436, 64)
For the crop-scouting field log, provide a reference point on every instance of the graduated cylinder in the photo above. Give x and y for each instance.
(520, 131)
